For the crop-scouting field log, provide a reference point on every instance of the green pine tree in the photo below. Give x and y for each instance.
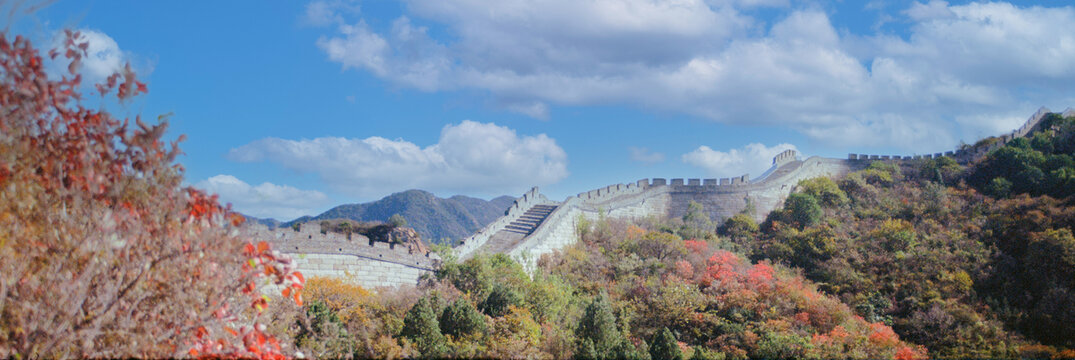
(499, 299)
(421, 327)
(664, 346)
(597, 333)
(461, 319)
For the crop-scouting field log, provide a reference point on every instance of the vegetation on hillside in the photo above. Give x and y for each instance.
(623, 292)
(971, 269)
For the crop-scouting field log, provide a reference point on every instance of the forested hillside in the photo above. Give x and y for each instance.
(969, 262)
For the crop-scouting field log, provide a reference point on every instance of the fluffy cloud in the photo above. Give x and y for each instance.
(267, 200)
(103, 55)
(470, 157)
(708, 59)
(643, 155)
(753, 159)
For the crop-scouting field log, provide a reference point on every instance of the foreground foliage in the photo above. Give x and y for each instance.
(103, 253)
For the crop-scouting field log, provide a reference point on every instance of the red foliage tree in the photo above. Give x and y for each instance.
(103, 252)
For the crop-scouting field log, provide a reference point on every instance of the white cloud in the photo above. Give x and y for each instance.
(267, 200)
(933, 10)
(328, 12)
(470, 157)
(708, 59)
(752, 159)
(103, 55)
(645, 156)
(534, 109)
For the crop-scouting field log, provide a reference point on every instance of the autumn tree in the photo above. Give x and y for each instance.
(103, 251)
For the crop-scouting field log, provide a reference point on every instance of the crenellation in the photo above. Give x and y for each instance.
(659, 182)
(710, 182)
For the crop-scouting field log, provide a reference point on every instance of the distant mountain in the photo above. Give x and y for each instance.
(434, 218)
(271, 223)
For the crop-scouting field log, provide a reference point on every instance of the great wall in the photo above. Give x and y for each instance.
(535, 225)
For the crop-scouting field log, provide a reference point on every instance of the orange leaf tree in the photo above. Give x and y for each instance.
(103, 252)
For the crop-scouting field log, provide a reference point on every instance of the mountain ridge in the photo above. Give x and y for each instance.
(433, 217)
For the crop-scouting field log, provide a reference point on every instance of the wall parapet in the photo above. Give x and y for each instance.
(784, 157)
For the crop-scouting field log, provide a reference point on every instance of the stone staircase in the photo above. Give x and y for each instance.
(530, 220)
(511, 235)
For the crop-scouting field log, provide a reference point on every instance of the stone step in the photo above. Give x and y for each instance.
(517, 231)
(519, 227)
(527, 221)
(535, 215)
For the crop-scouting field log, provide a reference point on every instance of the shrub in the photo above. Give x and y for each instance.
(499, 300)
(461, 319)
(999, 187)
(803, 209)
(942, 170)
(321, 334)
(823, 189)
(397, 220)
(696, 222)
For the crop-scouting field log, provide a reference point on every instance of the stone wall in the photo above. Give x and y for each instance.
(368, 273)
(370, 264)
(661, 197)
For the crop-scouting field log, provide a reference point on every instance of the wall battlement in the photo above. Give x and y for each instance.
(971, 153)
(785, 157)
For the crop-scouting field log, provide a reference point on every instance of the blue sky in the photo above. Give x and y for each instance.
(293, 107)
